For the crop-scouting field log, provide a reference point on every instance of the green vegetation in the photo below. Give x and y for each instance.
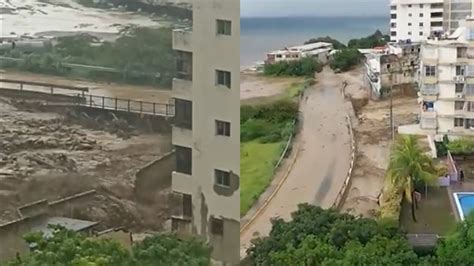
(326, 237)
(70, 248)
(461, 146)
(335, 43)
(410, 168)
(138, 56)
(257, 161)
(371, 41)
(304, 67)
(345, 59)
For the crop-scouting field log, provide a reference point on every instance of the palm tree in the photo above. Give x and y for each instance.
(409, 166)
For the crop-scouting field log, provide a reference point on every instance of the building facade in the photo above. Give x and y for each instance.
(206, 128)
(415, 20)
(319, 51)
(456, 11)
(395, 66)
(447, 83)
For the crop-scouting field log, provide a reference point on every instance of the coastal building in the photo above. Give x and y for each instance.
(456, 11)
(206, 128)
(415, 20)
(447, 83)
(319, 50)
(392, 66)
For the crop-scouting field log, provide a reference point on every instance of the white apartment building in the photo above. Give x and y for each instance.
(206, 128)
(447, 83)
(415, 20)
(456, 11)
(319, 50)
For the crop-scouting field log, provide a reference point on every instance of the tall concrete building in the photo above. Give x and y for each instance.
(447, 83)
(456, 11)
(415, 20)
(206, 130)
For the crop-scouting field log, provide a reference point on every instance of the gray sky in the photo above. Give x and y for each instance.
(278, 8)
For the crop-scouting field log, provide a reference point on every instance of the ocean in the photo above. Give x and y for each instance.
(261, 35)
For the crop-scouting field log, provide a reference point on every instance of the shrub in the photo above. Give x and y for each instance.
(461, 146)
(373, 40)
(345, 59)
(304, 67)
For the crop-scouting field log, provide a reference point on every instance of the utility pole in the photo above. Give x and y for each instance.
(391, 105)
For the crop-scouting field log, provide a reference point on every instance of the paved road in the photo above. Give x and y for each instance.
(323, 159)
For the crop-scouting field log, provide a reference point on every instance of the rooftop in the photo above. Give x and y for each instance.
(68, 223)
(304, 48)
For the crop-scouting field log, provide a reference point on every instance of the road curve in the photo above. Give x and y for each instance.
(323, 158)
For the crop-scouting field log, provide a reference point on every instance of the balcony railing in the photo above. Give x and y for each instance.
(182, 40)
(428, 120)
(429, 90)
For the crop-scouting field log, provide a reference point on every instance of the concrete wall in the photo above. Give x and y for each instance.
(154, 177)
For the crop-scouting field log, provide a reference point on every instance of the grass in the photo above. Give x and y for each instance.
(257, 161)
(435, 214)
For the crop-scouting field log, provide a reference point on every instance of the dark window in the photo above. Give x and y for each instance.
(436, 14)
(184, 160)
(430, 71)
(421, 33)
(421, 24)
(459, 88)
(436, 24)
(183, 113)
(458, 122)
(461, 52)
(223, 78)
(222, 128)
(393, 33)
(217, 226)
(458, 105)
(409, 23)
(224, 27)
(184, 65)
(437, 5)
(421, 15)
(409, 14)
(222, 178)
(393, 16)
(409, 5)
(393, 7)
(187, 205)
(421, 5)
(409, 33)
(393, 25)
(459, 70)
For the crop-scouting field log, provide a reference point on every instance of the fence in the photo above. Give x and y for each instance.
(80, 98)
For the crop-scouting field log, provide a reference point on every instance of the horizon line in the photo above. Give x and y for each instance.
(312, 16)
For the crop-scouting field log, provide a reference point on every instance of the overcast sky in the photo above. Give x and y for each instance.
(278, 8)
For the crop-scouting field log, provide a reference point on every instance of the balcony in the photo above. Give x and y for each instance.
(428, 120)
(182, 40)
(182, 183)
(182, 88)
(182, 136)
(429, 90)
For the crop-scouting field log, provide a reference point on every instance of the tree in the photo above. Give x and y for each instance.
(371, 41)
(409, 168)
(306, 66)
(345, 59)
(335, 43)
(458, 247)
(66, 247)
(316, 236)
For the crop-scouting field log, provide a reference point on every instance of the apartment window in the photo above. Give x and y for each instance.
(223, 78)
(458, 105)
(421, 24)
(184, 65)
(459, 70)
(184, 160)
(393, 33)
(222, 128)
(409, 23)
(458, 122)
(183, 113)
(421, 5)
(459, 87)
(409, 14)
(430, 71)
(421, 15)
(217, 226)
(222, 178)
(187, 205)
(470, 34)
(409, 33)
(393, 25)
(393, 16)
(436, 14)
(437, 5)
(461, 52)
(436, 24)
(409, 5)
(393, 7)
(279, 56)
(421, 33)
(224, 27)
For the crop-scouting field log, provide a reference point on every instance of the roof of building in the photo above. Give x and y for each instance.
(304, 48)
(71, 224)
